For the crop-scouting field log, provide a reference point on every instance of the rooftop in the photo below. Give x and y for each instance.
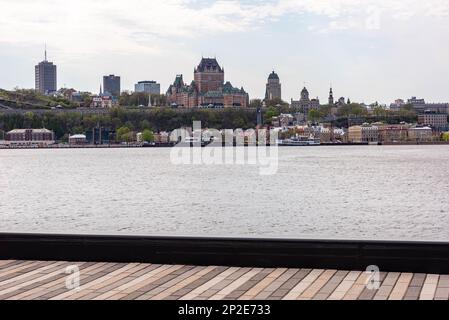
(273, 76)
(209, 65)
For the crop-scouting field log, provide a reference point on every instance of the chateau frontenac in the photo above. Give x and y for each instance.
(207, 89)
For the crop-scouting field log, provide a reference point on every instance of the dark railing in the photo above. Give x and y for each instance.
(391, 256)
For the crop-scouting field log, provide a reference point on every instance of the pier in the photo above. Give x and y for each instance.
(37, 266)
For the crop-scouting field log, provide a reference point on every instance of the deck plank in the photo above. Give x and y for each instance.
(39, 280)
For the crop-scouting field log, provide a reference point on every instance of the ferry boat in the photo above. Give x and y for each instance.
(298, 142)
(194, 141)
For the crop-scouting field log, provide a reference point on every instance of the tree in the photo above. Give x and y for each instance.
(123, 133)
(445, 136)
(271, 113)
(145, 124)
(276, 102)
(353, 109)
(314, 115)
(147, 136)
(256, 103)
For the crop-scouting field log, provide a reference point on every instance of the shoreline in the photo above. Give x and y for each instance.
(118, 146)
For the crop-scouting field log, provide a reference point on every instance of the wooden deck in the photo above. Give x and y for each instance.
(134, 281)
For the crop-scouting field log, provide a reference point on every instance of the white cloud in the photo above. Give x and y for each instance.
(148, 33)
(105, 22)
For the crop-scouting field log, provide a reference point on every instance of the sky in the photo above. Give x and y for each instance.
(369, 50)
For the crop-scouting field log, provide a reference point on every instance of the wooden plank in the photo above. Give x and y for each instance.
(198, 291)
(197, 273)
(345, 286)
(430, 287)
(319, 283)
(87, 288)
(302, 286)
(331, 285)
(401, 287)
(257, 289)
(140, 282)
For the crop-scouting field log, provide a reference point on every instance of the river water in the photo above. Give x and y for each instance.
(366, 192)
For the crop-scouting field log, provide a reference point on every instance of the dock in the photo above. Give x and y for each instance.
(38, 280)
(100, 267)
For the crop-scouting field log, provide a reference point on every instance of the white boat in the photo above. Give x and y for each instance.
(297, 142)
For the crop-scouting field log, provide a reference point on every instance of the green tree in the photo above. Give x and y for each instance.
(271, 113)
(256, 103)
(145, 124)
(445, 136)
(314, 115)
(147, 135)
(122, 134)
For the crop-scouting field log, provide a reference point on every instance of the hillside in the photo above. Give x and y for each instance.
(31, 99)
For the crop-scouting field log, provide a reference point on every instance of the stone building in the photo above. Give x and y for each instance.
(365, 133)
(305, 104)
(434, 119)
(208, 89)
(30, 137)
(273, 90)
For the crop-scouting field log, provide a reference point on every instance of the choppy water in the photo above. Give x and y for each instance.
(321, 192)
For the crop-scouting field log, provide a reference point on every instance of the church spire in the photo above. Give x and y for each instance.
(331, 96)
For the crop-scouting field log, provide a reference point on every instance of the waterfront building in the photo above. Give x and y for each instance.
(30, 137)
(365, 133)
(283, 120)
(420, 134)
(208, 89)
(433, 119)
(150, 87)
(112, 85)
(273, 88)
(45, 74)
(99, 136)
(77, 139)
(389, 133)
(329, 134)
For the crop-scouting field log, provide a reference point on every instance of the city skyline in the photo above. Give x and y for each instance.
(382, 53)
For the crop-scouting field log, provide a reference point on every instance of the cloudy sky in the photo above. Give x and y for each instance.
(368, 49)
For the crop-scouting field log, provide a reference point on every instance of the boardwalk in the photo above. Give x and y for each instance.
(134, 281)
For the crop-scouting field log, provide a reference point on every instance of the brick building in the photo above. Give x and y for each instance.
(207, 89)
(30, 137)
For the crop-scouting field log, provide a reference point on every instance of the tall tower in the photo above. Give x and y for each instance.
(331, 97)
(304, 102)
(45, 76)
(209, 76)
(273, 90)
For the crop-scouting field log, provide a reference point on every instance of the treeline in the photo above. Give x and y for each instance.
(68, 123)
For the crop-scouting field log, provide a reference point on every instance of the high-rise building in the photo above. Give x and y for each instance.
(150, 87)
(45, 76)
(111, 85)
(273, 90)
